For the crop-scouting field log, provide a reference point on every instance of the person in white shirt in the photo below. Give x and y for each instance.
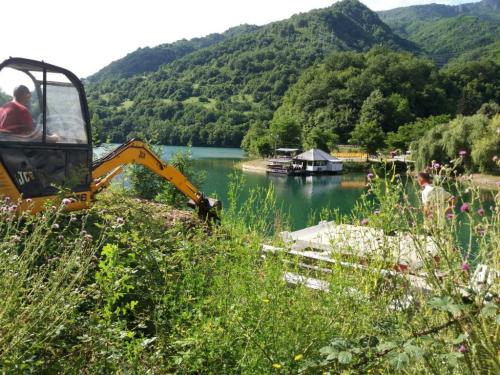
(434, 197)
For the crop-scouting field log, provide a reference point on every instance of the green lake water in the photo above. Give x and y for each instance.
(298, 196)
(301, 196)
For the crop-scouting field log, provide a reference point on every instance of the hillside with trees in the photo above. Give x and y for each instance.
(446, 33)
(406, 21)
(332, 75)
(365, 98)
(145, 60)
(214, 95)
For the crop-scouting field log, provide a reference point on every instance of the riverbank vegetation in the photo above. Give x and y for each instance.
(123, 288)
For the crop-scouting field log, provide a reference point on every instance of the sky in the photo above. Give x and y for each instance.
(86, 36)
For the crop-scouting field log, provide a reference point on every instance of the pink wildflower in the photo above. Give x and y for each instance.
(120, 220)
(462, 348)
(449, 216)
(464, 208)
(463, 152)
(29, 200)
(480, 211)
(376, 212)
(364, 222)
(436, 165)
(465, 267)
(369, 175)
(66, 201)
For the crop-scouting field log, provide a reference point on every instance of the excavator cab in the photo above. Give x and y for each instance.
(46, 143)
(40, 156)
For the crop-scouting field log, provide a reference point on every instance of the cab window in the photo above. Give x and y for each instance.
(55, 118)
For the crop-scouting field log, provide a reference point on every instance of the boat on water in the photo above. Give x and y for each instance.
(311, 162)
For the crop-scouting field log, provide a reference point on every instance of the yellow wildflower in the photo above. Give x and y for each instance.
(276, 366)
(298, 357)
(265, 300)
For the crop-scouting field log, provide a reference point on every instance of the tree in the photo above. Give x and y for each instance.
(97, 130)
(170, 194)
(324, 140)
(369, 136)
(285, 130)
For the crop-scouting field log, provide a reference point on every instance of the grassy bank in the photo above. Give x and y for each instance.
(134, 287)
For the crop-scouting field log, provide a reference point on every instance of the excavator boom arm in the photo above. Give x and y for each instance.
(136, 151)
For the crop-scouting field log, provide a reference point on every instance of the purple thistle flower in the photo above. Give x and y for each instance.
(430, 216)
(449, 216)
(440, 277)
(427, 168)
(481, 233)
(376, 212)
(54, 208)
(7, 198)
(494, 158)
(364, 222)
(392, 153)
(66, 201)
(104, 211)
(464, 208)
(29, 200)
(23, 232)
(463, 152)
(465, 267)
(436, 165)
(462, 348)
(60, 236)
(7, 219)
(405, 197)
(480, 211)
(84, 231)
(120, 220)
(12, 208)
(369, 175)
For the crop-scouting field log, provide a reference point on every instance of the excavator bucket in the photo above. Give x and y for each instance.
(209, 208)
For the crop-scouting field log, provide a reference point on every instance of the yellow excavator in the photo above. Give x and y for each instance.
(54, 148)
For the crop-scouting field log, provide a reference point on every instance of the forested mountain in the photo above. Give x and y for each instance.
(359, 98)
(213, 95)
(446, 33)
(145, 60)
(406, 21)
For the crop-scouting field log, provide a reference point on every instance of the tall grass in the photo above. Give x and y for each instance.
(143, 297)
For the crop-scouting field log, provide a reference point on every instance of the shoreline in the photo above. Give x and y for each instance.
(483, 181)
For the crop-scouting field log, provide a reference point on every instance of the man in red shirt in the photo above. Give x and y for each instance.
(15, 118)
